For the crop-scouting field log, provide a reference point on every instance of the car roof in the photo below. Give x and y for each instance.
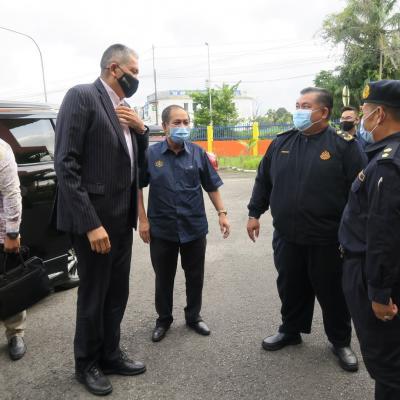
(20, 109)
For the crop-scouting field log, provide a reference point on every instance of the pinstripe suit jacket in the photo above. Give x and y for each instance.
(93, 165)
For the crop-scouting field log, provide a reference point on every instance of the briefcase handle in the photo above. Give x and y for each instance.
(3, 271)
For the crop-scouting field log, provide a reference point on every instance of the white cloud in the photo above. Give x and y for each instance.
(262, 43)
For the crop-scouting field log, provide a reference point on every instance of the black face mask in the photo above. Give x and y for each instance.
(129, 84)
(346, 126)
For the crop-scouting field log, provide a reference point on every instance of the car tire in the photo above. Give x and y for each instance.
(73, 277)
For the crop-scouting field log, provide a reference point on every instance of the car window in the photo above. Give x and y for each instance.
(32, 140)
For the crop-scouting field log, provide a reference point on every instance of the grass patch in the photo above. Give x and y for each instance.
(244, 162)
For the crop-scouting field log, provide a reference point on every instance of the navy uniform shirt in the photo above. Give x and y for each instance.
(305, 180)
(176, 205)
(370, 224)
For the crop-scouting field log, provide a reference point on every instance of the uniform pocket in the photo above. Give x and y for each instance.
(190, 176)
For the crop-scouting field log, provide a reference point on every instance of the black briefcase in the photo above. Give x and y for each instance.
(22, 283)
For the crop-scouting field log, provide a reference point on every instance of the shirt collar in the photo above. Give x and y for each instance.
(116, 101)
(373, 147)
(165, 147)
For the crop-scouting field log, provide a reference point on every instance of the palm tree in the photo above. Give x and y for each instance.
(369, 32)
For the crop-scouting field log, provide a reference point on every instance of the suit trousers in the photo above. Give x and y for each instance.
(164, 257)
(384, 392)
(102, 297)
(306, 272)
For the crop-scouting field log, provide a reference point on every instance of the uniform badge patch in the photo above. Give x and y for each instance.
(325, 155)
(159, 163)
(366, 92)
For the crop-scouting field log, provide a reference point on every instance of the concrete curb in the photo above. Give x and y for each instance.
(237, 169)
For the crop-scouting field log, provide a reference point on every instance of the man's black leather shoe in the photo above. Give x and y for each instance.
(347, 358)
(159, 333)
(200, 327)
(94, 381)
(16, 348)
(123, 366)
(280, 340)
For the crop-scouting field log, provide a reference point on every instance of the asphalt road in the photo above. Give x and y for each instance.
(241, 306)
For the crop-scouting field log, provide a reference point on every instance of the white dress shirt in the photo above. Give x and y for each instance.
(116, 101)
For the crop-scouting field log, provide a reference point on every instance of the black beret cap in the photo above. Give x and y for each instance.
(385, 92)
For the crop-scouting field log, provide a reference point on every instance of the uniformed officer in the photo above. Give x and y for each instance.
(349, 122)
(305, 177)
(370, 238)
(176, 171)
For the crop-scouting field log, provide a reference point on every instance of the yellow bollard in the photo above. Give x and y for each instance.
(256, 135)
(210, 138)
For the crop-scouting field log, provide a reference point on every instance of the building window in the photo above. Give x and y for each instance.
(186, 106)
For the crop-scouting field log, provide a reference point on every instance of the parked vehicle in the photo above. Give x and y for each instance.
(29, 129)
(156, 134)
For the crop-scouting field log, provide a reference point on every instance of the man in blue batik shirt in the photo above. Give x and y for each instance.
(176, 171)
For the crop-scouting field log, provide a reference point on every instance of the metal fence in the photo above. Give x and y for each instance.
(238, 132)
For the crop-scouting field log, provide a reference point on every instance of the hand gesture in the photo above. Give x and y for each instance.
(127, 116)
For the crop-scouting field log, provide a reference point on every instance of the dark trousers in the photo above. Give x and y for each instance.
(384, 392)
(379, 341)
(102, 297)
(164, 257)
(306, 272)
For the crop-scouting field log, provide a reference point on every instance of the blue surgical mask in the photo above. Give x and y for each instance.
(364, 134)
(302, 119)
(367, 135)
(179, 134)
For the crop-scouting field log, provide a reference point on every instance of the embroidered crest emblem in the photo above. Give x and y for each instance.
(325, 155)
(159, 163)
(366, 92)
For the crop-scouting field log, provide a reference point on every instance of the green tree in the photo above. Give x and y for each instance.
(331, 81)
(224, 112)
(281, 115)
(369, 31)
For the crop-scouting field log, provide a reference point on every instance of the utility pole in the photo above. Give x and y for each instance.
(40, 54)
(155, 87)
(380, 57)
(209, 83)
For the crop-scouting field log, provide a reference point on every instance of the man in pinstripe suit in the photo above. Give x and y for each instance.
(100, 144)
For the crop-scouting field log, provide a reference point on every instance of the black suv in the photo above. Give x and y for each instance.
(29, 129)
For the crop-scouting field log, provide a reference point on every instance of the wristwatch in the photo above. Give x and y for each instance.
(222, 212)
(12, 235)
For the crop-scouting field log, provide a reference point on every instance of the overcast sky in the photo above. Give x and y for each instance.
(272, 47)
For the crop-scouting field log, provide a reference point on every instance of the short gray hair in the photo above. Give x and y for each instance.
(117, 53)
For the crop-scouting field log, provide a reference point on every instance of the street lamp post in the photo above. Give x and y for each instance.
(40, 54)
(346, 96)
(209, 83)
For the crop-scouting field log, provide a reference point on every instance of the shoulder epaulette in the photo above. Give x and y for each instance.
(389, 152)
(293, 130)
(345, 136)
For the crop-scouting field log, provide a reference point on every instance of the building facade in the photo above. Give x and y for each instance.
(243, 103)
